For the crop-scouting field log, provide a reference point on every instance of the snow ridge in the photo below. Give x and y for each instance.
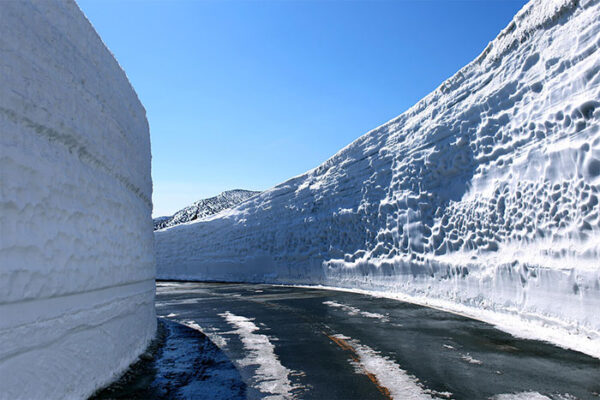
(482, 199)
(205, 207)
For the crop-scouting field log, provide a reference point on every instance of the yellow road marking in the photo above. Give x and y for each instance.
(344, 345)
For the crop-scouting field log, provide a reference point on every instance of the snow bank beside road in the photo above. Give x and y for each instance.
(483, 197)
(76, 248)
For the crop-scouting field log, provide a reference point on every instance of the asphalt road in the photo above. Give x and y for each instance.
(318, 344)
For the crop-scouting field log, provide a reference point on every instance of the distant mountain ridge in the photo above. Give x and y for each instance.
(204, 208)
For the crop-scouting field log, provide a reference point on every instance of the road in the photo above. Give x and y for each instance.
(303, 343)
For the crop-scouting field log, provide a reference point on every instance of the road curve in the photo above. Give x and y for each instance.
(298, 343)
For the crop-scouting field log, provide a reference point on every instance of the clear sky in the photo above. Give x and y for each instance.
(248, 94)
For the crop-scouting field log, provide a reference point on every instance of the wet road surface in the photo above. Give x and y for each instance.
(180, 363)
(318, 344)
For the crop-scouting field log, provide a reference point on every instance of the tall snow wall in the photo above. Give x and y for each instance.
(76, 247)
(480, 199)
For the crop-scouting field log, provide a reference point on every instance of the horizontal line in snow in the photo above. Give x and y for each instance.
(38, 310)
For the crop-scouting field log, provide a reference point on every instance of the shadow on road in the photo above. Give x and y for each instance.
(181, 363)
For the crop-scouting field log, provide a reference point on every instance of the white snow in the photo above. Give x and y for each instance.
(76, 246)
(211, 333)
(532, 396)
(521, 396)
(397, 383)
(352, 311)
(205, 207)
(482, 199)
(468, 358)
(271, 378)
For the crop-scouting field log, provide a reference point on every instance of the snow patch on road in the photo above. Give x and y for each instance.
(352, 311)
(389, 375)
(271, 378)
(217, 339)
(468, 358)
(532, 396)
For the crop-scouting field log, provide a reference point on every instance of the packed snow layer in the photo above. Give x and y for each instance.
(76, 245)
(480, 199)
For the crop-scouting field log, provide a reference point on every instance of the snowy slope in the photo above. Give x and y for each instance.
(76, 247)
(205, 207)
(480, 199)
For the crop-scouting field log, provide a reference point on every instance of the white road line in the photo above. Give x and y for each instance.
(271, 378)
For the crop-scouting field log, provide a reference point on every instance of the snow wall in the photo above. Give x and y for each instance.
(481, 199)
(76, 247)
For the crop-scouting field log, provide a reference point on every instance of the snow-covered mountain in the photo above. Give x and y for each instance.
(205, 207)
(480, 199)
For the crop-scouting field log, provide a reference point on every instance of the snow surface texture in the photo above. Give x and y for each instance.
(480, 199)
(76, 247)
(205, 207)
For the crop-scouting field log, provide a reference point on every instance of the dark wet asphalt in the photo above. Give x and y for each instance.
(446, 355)
(180, 363)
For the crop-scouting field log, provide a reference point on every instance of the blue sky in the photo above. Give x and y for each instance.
(248, 94)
